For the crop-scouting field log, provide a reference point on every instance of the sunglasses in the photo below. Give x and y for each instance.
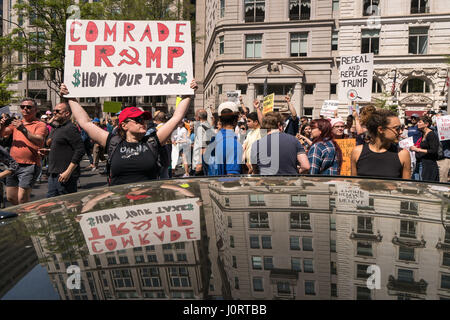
(397, 128)
(26, 106)
(137, 120)
(58, 111)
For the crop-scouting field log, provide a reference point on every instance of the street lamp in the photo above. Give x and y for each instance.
(25, 37)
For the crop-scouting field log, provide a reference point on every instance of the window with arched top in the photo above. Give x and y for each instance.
(415, 86)
(377, 87)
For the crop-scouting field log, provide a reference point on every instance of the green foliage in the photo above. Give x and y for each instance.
(381, 103)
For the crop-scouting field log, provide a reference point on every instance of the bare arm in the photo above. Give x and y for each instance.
(354, 158)
(243, 105)
(95, 133)
(166, 130)
(37, 139)
(304, 163)
(405, 159)
(291, 107)
(257, 106)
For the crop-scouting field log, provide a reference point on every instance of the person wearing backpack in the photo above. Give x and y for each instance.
(132, 157)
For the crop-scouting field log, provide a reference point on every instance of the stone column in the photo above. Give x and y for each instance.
(250, 96)
(297, 97)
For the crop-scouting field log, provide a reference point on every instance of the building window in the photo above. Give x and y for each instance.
(256, 200)
(179, 246)
(242, 87)
(150, 248)
(266, 242)
(371, 7)
(361, 271)
(168, 257)
(123, 260)
(222, 8)
(376, 88)
(335, 5)
(234, 262)
(309, 288)
(181, 257)
(446, 259)
(122, 278)
(409, 207)
(308, 266)
(258, 284)
(253, 44)
(227, 202)
(256, 263)
(36, 74)
(333, 267)
(332, 245)
(296, 264)
(111, 260)
(299, 44)
(309, 88)
(418, 40)
(179, 277)
(364, 248)
(415, 86)
(405, 275)
(445, 281)
(268, 263)
(254, 242)
(294, 243)
(407, 229)
(230, 222)
(299, 9)
(363, 293)
(300, 221)
(370, 41)
(283, 287)
(420, 6)
(152, 258)
(334, 292)
(307, 244)
(140, 259)
(254, 10)
(334, 40)
(231, 241)
(236, 282)
(406, 254)
(333, 88)
(365, 225)
(221, 45)
(447, 236)
(332, 223)
(259, 220)
(150, 277)
(308, 112)
(299, 201)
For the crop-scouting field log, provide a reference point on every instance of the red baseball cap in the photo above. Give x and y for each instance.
(133, 112)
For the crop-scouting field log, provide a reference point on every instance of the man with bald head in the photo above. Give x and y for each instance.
(65, 154)
(203, 136)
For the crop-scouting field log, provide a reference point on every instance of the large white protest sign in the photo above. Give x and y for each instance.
(328, 108)
(351, 196)
(443, 125)
(406, 143)
(141, 225)
(355, 78)
(233, 96)
(128, 58)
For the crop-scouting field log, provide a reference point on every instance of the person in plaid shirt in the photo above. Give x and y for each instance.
(325, 156)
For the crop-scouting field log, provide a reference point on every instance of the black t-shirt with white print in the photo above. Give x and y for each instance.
(132, 162)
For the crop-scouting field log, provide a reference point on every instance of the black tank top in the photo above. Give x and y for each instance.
(386, 164)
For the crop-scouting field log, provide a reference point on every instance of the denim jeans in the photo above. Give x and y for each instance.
(56, 188)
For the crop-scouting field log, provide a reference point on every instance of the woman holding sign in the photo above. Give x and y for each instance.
(132, 157)
(380, 157)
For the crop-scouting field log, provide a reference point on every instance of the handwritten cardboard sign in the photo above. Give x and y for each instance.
(128, 58)
(347, 146)
(351, 196)
(443, 126)
(328, 108)
(268, 103)
(355, 78)
(406, 143)
(141, 225)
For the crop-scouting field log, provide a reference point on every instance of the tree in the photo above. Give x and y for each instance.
(43, 43)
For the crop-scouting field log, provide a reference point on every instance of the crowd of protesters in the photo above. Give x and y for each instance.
(229, 140)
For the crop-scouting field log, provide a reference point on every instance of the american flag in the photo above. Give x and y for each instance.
(265, 88)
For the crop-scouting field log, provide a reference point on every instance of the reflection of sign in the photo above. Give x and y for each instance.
(268, 103)
(141, 225)
(233, 96)
(328, 108)
(350, 196)
(111, 106)
(443, 125)
(355, 78)
(406, 143)
(128, 58)
(347, 146)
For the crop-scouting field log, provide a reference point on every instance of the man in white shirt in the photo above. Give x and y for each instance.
(203, 135)
(180, 143)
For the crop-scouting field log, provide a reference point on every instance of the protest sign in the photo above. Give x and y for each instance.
(177, 102)
(328, 108)
(233, 96)
(443, 125)
(268, 103)
(406, 143)
(111, 106)
(141, 225)
(355, 78)
(347, 146)
(107, 58)
(5, 110)
(351, 196)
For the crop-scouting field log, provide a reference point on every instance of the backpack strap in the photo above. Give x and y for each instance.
(114, 141)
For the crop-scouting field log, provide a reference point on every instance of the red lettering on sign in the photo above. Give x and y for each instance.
(143, 241)
(119, 231)
(127, 27)
(178, 33)
(147, 34)
(111, 244)
(78, 49)
(188, 233)
(162, 223)
(152, 56)
(95, 234)
(94, 248)
(160, 236)
(102, 53)
(109, 32)
(126, 242)
(174, 52)
(72, 31)
(91, 32)
(174, 235)
(163, 32)
(183, 222)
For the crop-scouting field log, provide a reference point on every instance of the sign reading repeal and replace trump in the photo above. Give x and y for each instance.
(128, 58)
(355, 78)
(141, 225)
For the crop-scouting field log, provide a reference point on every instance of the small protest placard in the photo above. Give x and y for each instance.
(105, 58)
(351, 196)
(328, 108)
(112, 106)
(141, 225)
(355, 78)
(347, 146)
(406, 143)
(268, 103)
(443, 126)
(233, 96)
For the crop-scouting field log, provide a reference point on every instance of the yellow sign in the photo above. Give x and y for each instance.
(178, 101)
(347, 146)
(268, 103)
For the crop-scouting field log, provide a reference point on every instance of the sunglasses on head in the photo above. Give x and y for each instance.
(26, 106)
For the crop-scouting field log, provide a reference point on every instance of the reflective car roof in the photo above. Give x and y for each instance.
(298, 238)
